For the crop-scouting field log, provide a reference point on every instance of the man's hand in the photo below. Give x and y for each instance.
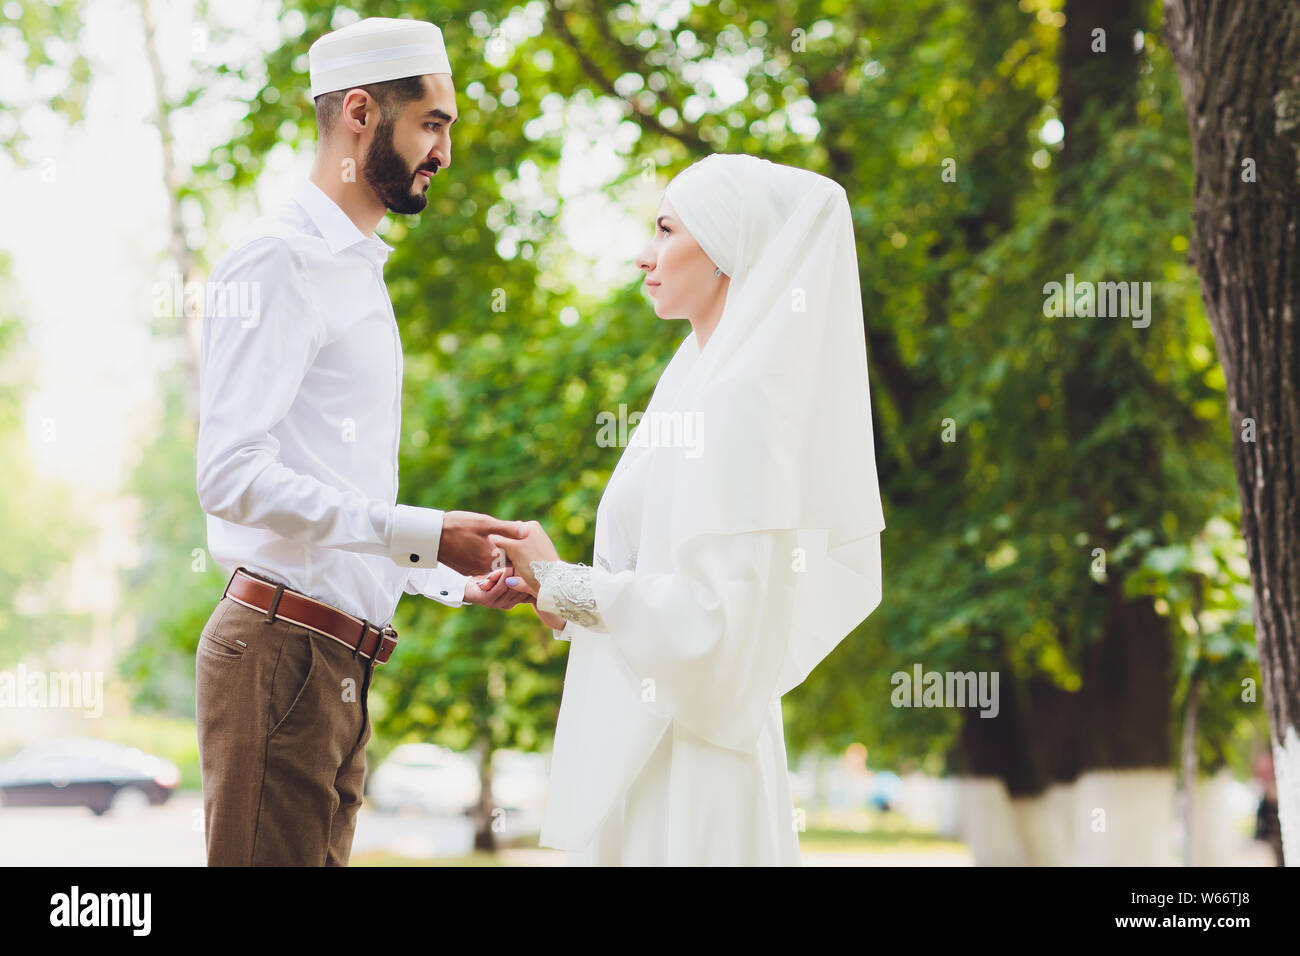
(492, 591)
(534, 545)
(464, 546)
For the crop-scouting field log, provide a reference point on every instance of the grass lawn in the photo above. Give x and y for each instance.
(872, 833)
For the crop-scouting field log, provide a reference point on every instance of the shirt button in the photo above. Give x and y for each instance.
(415, 559)
(443, 593)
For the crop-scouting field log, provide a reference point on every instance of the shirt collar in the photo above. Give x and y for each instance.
(335, 227)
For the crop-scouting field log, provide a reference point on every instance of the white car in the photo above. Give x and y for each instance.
(425, 777)
(519, 788)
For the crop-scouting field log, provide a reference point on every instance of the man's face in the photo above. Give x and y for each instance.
(405, 155)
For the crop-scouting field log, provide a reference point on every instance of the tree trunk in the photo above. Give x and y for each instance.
(1190, 774)
(189, 329)
(1087, 775)
(484, 812)
(1239, 67)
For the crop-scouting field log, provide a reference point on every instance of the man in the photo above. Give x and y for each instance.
(299, 424)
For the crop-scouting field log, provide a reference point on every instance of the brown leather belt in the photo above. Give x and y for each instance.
(279, 602)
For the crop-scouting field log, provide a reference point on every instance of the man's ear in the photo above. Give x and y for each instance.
(364, 102)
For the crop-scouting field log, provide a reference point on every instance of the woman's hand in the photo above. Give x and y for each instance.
(492, 590)
(553, 621)
(535, 545)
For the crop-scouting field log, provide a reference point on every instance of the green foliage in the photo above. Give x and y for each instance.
(1072, 434)
(47, 33)
(41, 521)
(175, 585)
(1204, 586)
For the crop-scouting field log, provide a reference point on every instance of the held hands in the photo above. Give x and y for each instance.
(492, 591)
(484, 549)
(464, 545)
(534, 545)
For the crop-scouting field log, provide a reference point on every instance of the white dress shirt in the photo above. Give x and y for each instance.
(300, 391)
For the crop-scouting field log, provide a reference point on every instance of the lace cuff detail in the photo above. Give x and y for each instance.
(565, 589)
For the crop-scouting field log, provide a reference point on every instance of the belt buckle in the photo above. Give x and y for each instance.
(386, 631)
(234, 574)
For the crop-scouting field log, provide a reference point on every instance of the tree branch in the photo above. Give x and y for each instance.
(691, 140)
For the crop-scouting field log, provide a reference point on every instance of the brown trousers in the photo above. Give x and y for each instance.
(283, 723)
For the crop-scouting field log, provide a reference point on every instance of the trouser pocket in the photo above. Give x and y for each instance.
(289, 683)
(216, 642)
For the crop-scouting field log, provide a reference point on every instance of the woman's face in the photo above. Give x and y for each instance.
(678, 275)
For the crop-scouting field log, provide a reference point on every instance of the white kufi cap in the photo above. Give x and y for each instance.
(375, 50)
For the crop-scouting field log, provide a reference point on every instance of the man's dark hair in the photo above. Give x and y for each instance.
(391, 95)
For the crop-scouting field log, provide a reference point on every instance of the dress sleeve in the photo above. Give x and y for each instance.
(706, 642)
(565, 589)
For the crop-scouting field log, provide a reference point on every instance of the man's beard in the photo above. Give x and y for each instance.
(388, 175)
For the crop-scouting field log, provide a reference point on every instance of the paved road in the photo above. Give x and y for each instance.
(171, 835)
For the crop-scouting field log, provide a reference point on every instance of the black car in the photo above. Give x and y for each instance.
(86, 772)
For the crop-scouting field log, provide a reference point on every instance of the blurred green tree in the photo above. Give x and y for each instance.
(1011, 444)
(41, 519)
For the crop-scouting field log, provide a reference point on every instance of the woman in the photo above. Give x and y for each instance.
(726, 565)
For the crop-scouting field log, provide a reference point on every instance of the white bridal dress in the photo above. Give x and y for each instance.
(736, 544)
(689, 801)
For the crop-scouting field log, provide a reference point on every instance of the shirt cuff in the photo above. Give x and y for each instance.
(449, 592)
(415, 536)
(456, 592)
(440, 584)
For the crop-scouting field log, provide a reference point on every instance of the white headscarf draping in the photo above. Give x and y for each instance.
(759, 546)
(781, 393)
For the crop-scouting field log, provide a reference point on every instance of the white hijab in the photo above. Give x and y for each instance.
(780, 393)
